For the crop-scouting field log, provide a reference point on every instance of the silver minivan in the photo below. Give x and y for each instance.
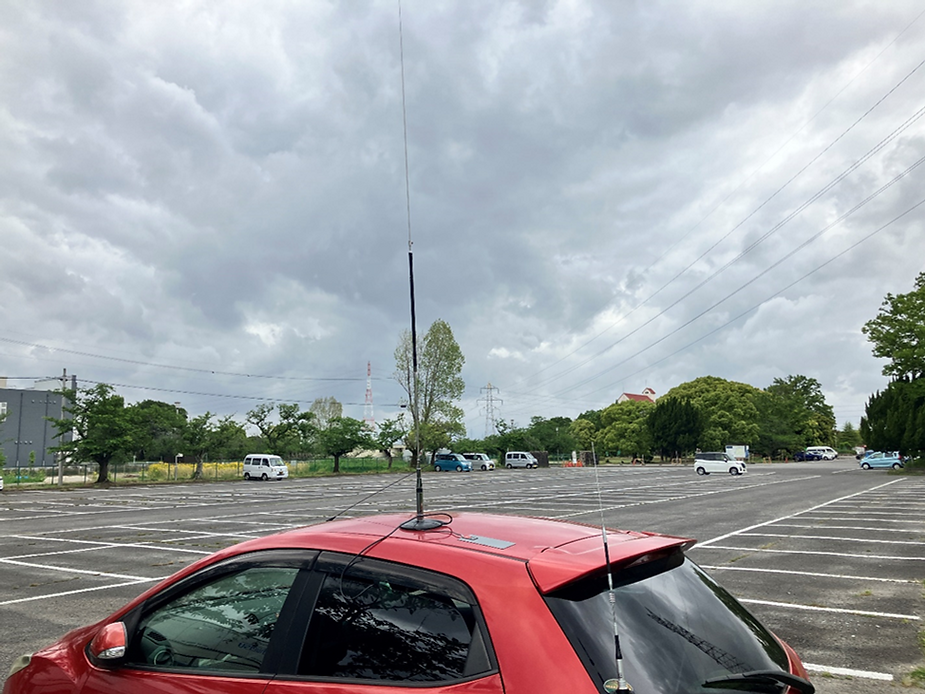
(263, 466)
(520, 459)
(720, 461)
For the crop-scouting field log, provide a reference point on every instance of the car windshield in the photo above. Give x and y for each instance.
(678, 628)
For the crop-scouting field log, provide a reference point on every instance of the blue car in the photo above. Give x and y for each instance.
(807, 455)
(878, 459)
(444, 462)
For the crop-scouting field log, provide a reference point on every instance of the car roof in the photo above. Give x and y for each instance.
(555, 552)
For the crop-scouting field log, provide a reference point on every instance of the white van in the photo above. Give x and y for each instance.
(827, 452)
(520, 459)
(263, 466)
(705, 463)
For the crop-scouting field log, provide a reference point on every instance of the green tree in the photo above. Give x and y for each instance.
(289, 435)
(197, 439)
(157, 429)
(229, 440)
(583, 431)
(729, 410)
(675, 426)
(100, 424)
(343, 435)
(849, 436)
(387, 433)
(625, 429)
(895, 418)
(436, 419)
(324, 410)
(898, 332)
(777, 437)
(809, 416)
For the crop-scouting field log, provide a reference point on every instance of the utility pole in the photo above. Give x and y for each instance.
(491, 426)
(368, 417)
(60, 454)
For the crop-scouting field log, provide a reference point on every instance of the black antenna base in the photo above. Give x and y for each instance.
(422, 523)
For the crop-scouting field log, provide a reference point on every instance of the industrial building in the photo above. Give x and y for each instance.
(26, 435)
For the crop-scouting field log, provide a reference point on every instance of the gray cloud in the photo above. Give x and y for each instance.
(220, 188)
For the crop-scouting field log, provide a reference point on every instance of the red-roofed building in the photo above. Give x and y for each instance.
(647, 395)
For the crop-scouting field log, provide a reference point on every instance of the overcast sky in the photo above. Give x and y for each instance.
(204, 202)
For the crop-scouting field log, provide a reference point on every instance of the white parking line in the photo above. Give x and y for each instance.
(839, 610)
(793, 515)
(839, 539)
(849, 672)
(136, 545)
(80, 590)
(850, 527)
(808, 573)
(819, 553)
(68, 569)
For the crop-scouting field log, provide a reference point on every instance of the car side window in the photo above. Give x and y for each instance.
(368, 625)
(223, 625)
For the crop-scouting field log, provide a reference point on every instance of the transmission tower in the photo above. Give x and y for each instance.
(491, 422)
(368, 406)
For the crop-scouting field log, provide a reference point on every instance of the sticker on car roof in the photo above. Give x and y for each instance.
(487, 541)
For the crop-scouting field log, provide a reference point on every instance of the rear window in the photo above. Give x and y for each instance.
(677, 628)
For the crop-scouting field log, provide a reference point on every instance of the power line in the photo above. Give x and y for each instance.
(895, 133)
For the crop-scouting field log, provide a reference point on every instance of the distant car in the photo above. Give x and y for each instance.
(807, 455)
(827, 452)
(878, 459)
(445, 462)
(480, 461)
(263, 466)
(514, 459)
(476, 603)
(718, 461)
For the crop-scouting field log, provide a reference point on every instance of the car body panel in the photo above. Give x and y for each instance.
(480, 461)
(878, 459)
(449, 462)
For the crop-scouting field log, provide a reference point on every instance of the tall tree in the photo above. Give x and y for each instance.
(387, 433)
(811, 418)
(625, 429)
(289, 434)
(436, 419)
(343, 435)
(898, 332)
(157, 429)
(728, 408)
(675, 426)
(101, 426)
(324, 410)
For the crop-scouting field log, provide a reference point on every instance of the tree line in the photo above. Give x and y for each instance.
(705, 413)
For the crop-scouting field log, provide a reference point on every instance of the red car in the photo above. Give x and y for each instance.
(479, 604)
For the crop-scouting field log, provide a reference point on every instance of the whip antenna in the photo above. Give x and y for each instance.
(419, 522)
(612, 686)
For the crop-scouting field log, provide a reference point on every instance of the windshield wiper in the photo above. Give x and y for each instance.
(757, 677)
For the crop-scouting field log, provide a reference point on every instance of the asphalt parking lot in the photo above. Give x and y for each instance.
(831, 557)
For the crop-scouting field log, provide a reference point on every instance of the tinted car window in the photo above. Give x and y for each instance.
(223, 625)
(370, 625)
(673, 609)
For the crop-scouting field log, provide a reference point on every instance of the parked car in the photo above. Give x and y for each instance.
(479, 603)
(444, 462)
(514, 459)
(807, 455)
(719, 461)
(827, 452)
(480, 461)
(878, 459)
(263, 466)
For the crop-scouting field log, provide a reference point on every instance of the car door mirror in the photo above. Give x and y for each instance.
(109, 645)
